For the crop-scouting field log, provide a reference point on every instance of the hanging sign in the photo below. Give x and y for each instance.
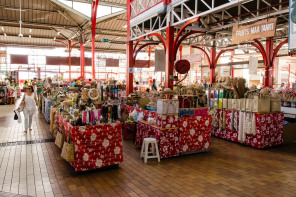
(105, 40)
(160, 61)
(253, 65)
(292, 25)
(265, 28)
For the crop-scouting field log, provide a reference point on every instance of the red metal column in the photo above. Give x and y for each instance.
(212, 65)
(93, 28)
(82, 60)
(232, 70)
(129, 53)
(269, 66)
(169, 68)
(180, 55)
(70, 49)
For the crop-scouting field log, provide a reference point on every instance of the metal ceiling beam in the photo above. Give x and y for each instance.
(29, 9)
(104, 3)
(32, 24)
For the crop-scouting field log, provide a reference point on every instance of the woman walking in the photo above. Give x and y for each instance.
(29, 104)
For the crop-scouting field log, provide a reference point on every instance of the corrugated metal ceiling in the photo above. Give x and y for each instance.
(43, 19)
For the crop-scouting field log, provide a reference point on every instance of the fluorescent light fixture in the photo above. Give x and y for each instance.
(14, 9)
(54, 38)
(2, 28)
(29, 36)
(5, 34)
(124, 26)
(30, 30)
(88, 41)
(58, 33)
(117, 38)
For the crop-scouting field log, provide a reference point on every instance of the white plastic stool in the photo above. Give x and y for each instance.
(145, 149)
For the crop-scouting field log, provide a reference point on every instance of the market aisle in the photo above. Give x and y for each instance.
(229, 169)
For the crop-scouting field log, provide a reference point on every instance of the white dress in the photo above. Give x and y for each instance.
(30, 105)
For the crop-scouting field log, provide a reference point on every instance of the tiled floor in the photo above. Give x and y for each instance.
(229, 169)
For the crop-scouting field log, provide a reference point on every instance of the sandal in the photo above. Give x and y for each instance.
(25, 131)
(30, 129)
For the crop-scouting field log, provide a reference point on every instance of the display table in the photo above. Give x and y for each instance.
(95, 146)
(167, 139)
(46, 105)
(193, 135)
(269, 130)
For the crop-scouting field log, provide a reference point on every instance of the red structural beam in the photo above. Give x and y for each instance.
(142, 47)
(93, 28)
(138, 41)
(160, 38)
(129, 53)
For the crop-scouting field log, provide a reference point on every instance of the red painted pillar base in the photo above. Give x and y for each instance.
(130, 64)
(212, 75)
(82, 60)
(169, 68)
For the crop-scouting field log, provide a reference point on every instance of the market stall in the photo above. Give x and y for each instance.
(246, 115)
(86, 126)
(177, 130)
(94, 146)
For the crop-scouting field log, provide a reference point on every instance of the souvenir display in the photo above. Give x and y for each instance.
(244, 120)
(84, 120)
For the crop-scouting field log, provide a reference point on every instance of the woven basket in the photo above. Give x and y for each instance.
(68, 152)
(143, 102)
(59, 141)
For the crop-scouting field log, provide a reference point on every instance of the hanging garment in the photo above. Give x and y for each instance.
(248, 123)
(235, 118)
(232, 120)
(253, 127)
(241, 133)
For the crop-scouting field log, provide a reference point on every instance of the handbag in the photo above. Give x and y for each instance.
(59, 141)
(68, 152)
(242, 104)
(250, 99)
(15, 116)
(275, 105)
(261, 104)
(228, 95)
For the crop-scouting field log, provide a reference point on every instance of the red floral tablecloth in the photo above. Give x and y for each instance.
(269, 130)
(195, 133)
(95, 146)
(167, 139)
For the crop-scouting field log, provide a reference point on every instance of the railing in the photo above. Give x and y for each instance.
(139, 6)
